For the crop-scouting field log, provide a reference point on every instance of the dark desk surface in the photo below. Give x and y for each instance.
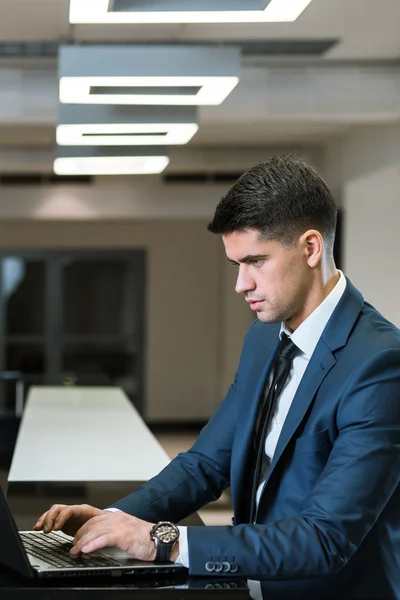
(94, 588)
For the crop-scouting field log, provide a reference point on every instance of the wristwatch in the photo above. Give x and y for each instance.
(165, 536)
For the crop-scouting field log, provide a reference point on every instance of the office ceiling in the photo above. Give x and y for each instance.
(330, 33)
(367, 29)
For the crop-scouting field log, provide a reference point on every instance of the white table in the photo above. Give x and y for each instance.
(84, 434)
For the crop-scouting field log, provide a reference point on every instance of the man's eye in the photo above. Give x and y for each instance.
(257, 262)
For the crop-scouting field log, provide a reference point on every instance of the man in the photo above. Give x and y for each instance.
(308, 435)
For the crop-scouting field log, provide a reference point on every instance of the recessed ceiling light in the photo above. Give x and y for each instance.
(199, 90)
(185, 11)
(118, 161)
(125, 126)
(147, 75)
(125, 134)
(136, 165)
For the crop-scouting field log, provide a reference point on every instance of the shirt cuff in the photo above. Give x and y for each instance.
(183, 557)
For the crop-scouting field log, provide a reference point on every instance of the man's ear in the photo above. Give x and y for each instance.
(313, 245)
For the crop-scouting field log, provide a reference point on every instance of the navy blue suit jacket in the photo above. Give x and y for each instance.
(329, 516)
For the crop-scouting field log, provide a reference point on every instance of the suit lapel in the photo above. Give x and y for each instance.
(319, 366)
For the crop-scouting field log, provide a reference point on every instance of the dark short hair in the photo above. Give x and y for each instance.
(281, 198)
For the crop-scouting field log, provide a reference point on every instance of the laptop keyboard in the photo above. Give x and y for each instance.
(54, 549)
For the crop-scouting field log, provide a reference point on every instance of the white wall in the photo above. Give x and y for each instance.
(110, 198)
(367, 163)
(372, 238)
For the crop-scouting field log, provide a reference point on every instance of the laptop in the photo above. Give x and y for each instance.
(35, 554)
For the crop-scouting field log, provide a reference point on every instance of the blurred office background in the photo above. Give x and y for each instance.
(114, 280)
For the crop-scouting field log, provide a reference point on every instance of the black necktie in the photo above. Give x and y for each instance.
(281, 367)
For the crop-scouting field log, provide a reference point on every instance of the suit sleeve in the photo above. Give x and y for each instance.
(193, 478)
(359, 480)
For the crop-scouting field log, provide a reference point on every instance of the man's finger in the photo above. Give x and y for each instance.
(88, 528)
(51, 517)
(46, 516)
(97, 543)
(39, 523)
(59, 518)
(62, 518)
(87, 538)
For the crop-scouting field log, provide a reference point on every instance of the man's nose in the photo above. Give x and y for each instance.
(244, 283)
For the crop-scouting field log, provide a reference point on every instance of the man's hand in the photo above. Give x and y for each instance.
(68, 519)
(116, 529)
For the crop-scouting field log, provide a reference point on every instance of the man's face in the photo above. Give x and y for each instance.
(274, 279)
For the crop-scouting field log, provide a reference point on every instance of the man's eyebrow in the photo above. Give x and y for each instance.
(247, 259)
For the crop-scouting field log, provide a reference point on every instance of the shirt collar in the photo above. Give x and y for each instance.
(307, 335)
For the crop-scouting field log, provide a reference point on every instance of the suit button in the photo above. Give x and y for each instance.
(210, 566)
(218, 567)
(226, 567)
(234, 567)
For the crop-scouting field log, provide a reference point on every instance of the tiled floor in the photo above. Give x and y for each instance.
(217, 513)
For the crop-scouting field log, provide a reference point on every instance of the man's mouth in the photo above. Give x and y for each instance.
(254, 304)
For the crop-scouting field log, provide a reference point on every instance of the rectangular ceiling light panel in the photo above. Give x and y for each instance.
(122, 165)
(107, 125)
(199, 90)
(147, 75)
(110, 161)
(125, 134)
(185, 11)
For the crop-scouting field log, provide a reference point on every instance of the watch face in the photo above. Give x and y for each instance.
(166, 534)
